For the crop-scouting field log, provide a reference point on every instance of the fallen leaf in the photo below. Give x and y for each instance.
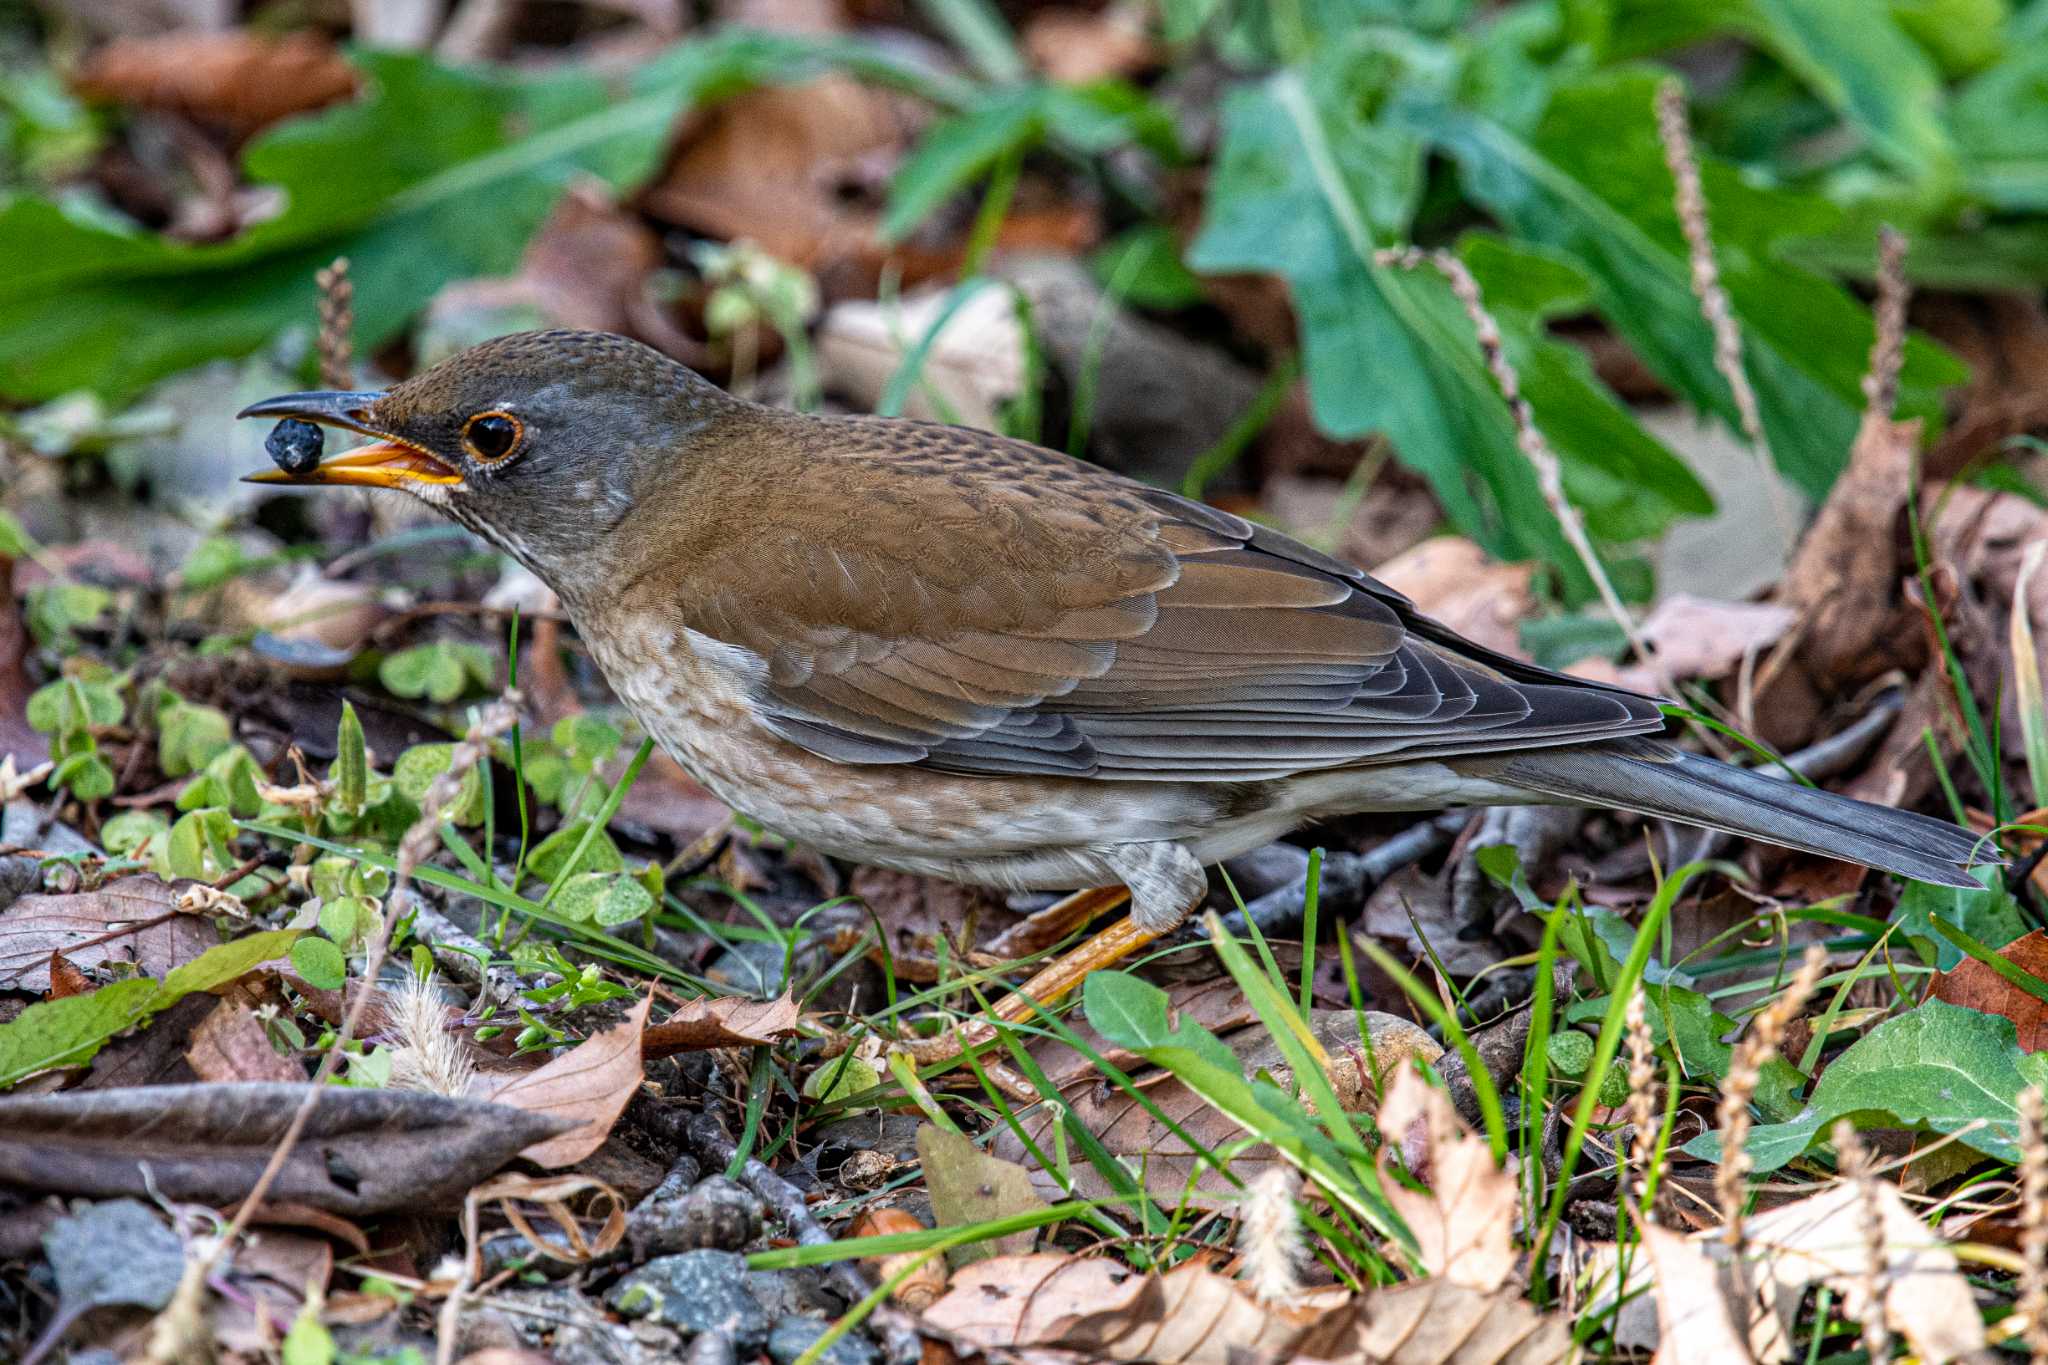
(968, 1186)
(1975, 986)
(973, 366)
(1694, 1298)
(234, 77)
(1193, 1316)
(722, 1021)
(34, 927)
(589, 1084)
(774, 165)
(1464, 1222)
(1452, 580)
(230, 1045)
(926, 1280)
(1820, 1240)
(1078, 46)
(116, 1253)
(363, 1151)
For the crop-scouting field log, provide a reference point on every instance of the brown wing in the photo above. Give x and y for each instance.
(1004, 609)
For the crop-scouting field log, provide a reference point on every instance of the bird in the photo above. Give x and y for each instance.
(948, 652)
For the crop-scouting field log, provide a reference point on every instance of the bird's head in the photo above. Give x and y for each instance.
(539, 442)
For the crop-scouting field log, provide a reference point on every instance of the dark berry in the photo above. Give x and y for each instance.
(295, 446)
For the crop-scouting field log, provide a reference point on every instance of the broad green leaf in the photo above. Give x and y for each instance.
(434, 670)
(1144, 264)
(127, 832)
(1591, 183)
(1939, 1067)
(223, 963)
(190, 737)
(2001, 120)
(1388, 350)
(551, 855)
(435, 174)
(85, 775)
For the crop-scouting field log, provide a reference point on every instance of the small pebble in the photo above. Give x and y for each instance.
(295, 446)
(791, 1337)
(697, 1291)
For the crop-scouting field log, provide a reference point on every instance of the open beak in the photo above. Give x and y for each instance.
(387, 463)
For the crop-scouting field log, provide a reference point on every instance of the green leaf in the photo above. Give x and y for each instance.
(416, 770)
(350, 772)
(1297, 191)
(551, 854)
(70, 1031)
(1590, 183)
(15, 542)
(2001, 121)
(320, 963)
(189, 737)
(213, 561)
(1938, 1067)
(434, 670)
(605, 898)
(435, 174)
(229, 780)
(1132, 1013)
(590, 740)
(348, 920)
(126, 833)
(1990, 916)
(198, 846)
(1145, 262)
(1571, 1052)
(85, 774)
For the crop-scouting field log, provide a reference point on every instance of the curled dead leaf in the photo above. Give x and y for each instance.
(1463, 1223)
(1451, 579)
(923, 1286)
(590, 1084)
(722, 1021)
(230, 1045)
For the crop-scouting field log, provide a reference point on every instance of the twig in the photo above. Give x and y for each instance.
(337, 322)
(168, 1343)
(1530, 440)
(1675, 132)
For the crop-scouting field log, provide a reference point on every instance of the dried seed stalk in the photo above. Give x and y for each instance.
(2032, 1304)
(1529, 438)
(1752, 1055)
(1642, 1108)
(1854, 1160)
(337, 322)
(1888, 345)
(1269, 1237)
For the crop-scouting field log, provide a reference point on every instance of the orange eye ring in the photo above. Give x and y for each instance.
(491, 436)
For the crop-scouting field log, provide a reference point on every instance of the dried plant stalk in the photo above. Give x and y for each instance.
(337, 323)
(2032, 1304)
(1752, 1055)
(1529, 438)
(1854, 1160)
(1642, 1108)
(1269, 1237)
(1888, 345)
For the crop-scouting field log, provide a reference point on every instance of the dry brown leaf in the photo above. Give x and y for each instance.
(230, 1045)
(590, 1083)
(722, 1021)
(365, 1151)
(1464, 1222)
(235, 77)
(923, 1286)
(975, 364)
(1128, 1129)
(772, 166)
(1078, 46)
(1451, 579)
(1975, 986)
(1819, 1240)
(1437, 1322)
(970, 1186)
(34, 927)
(1694, 1299)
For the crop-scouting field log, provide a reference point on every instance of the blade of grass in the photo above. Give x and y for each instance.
(1483, 1088)
(2026, 670)
(604, 815)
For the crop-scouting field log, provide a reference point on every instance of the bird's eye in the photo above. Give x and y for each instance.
(492, 435)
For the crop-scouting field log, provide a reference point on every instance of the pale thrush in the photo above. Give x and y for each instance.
(942, 651)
